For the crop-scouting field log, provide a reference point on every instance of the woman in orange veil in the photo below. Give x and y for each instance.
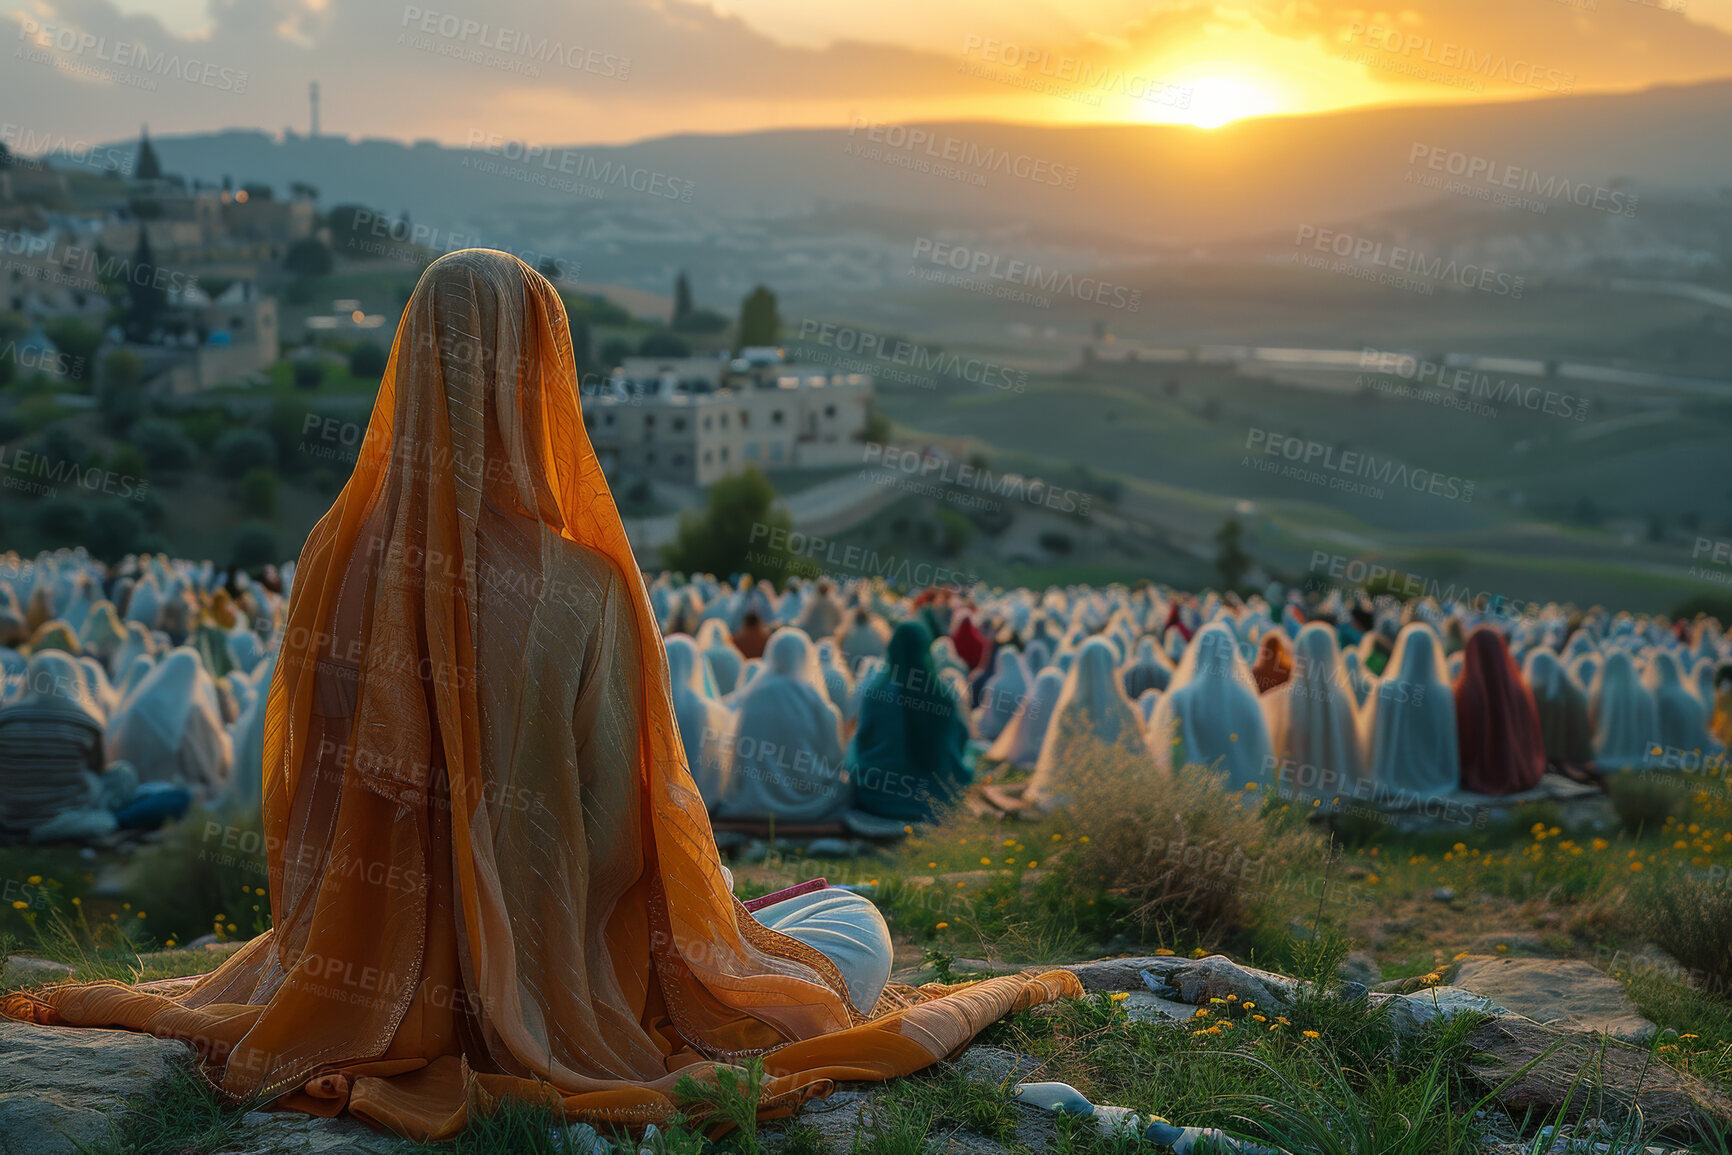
(491, 873)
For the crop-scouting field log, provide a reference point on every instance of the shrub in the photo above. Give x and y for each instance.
(164, 444)
(660, 344)
(735, 532)
(115, 530)
(1688, 914)
(1175, 845)
(308, 373)
(239, 450)
(255, 546)
(308, 258)
(1645, 801)
(62, 521)
(368, 361)
(189, 874)
(259, 492)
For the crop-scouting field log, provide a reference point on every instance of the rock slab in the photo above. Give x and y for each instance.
(63, 1089)
(1565, 993)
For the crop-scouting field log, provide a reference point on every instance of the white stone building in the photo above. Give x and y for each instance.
(696, 420)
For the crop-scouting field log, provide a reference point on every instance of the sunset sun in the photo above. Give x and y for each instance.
(1209, 100)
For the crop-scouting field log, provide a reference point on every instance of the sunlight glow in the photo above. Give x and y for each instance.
(1215, 99)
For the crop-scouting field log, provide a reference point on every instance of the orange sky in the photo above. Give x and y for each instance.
(576, 71)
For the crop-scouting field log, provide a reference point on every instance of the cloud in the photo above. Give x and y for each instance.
(609, 70)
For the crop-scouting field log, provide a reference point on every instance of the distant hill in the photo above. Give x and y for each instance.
(1162, 185)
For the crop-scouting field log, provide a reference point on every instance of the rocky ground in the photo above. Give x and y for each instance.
(64, 1091)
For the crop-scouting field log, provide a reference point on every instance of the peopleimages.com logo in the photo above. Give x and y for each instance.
(920, 358)
(1019, 275)
(1371, 256)
(1342, 468)
(85, 53)
(1471, 385)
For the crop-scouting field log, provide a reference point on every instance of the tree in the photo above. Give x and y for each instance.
(259, 492)
(120, 396)
(878, 427)
(11, 329)
(75, 338)
(164, 444)
(146, 296)
(580, 347)
(663, 344)
(62, 521)
(682, 300)
(309, 257)
(308, 372)
(61, 445)
(239, 450)
(741, 530)
(255, 546)
(115, 530)
(702, 321)
(760, 324)
(367, 360)
(145, 166)
(1230, 560)
(613, 351)
(347, 225)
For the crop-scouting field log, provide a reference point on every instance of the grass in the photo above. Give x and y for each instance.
(185, 1117)
(1275, 891)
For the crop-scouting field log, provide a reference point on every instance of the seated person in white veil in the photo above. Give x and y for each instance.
(716, 645)
(1003, 694)
(1410, 728)
(1019, 743)
(171, 727)
(1210, 715)
(1681, 714)
(862, 637)
(1626, 721)
(1091, 711)
(787, 753)
(706, 726)
(1314, 727)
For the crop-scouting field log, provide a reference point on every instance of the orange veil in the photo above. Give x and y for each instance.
(490, 871)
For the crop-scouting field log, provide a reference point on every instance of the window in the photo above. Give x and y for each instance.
(724, 453)
(724, 421)
(776, 417)
(649, 458)
(707, 421)
(708, 455)
(751, 451)
(775, 451)
(649, 420)
(829, 411)
(745, 419)
(607, 420)
(679, 425)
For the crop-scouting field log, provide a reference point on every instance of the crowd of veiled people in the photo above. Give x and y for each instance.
(847, 703)
(131, 692)
(135, 691)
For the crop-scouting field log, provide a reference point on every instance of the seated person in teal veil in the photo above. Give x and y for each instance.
(908, 758)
